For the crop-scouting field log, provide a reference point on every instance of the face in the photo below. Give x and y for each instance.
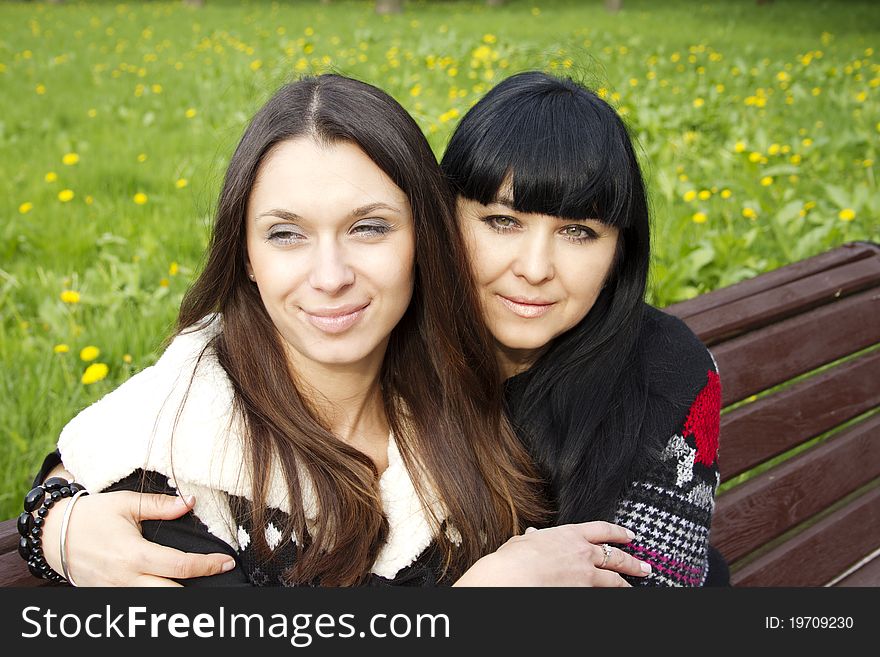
(330, 245)
(537, 275)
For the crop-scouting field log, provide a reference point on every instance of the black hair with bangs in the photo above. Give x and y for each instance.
(581, 407)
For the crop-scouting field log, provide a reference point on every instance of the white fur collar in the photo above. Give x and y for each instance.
(131, 428)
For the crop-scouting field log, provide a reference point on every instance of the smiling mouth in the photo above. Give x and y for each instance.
(336, 320)
(524, 309)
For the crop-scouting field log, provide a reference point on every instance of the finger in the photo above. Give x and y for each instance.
(157, 506)
(168, 562)
(621, 562)
(599, 531)
(607, 579)
(155, 582)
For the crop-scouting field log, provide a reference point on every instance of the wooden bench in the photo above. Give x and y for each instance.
(814, 518)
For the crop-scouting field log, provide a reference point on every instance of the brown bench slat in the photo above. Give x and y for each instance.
(14, 572)
(9, 535)
(769, 356)
(840, 256)
(840, 540)
(774, 305)
(867, 575)
(772, 425)
(763, 508)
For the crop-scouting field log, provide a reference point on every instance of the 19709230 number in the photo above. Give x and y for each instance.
(820, 622)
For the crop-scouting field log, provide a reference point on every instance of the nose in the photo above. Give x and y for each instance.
(533, 260)
(330, 272)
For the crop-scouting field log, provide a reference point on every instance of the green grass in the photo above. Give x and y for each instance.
(113, 83)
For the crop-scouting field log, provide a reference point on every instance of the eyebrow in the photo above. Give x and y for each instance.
(508, 203)
(362, 211)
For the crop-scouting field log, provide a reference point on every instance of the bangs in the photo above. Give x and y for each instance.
(564, 150)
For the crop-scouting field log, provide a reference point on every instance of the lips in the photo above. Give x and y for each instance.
(525, 307)
(335, 320)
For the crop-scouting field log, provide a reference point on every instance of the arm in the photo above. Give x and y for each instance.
(105, 546)
(670, 508)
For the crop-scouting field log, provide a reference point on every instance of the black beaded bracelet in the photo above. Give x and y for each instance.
(30, 545)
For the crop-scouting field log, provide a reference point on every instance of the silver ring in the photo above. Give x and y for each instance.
(606, 553)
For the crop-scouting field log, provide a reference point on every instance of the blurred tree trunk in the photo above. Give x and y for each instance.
(389, 6)
(614, 6)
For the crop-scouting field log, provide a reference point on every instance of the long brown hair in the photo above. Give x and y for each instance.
(439, 380)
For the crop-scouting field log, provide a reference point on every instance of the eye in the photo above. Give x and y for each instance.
(284, 234)
(500, 223)
(371, 228)
(578, 233)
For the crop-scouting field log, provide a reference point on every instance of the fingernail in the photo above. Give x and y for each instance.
(630, 533)
(227, 566)
(646, 568)
(187, 501)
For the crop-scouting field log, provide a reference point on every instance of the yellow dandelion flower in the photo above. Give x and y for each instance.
(50, 177)
(816, 91)
(683, 177)
(89, 353)
(807, 142)
(94, 373)
(70, 159)
(847, 214)
(739, 147)
(774, 149)
(89, 200)
(140, 198)
(181, 183)
(868, 163)
(689, 195)
(489, 38)
(536, 11)
(127, 359)
(190, 113)
(156, 88)
(164, 282)
(61, 348)
(699, 102)
(633, 82)
(809, 205)
(92, 113)
(749, 213)
(142, 157)
(40, 89)
(699, 218)
(726, 193)
(69, 296)
(65, 195)
(719, 88)
(256, 65)
(704, 195)
(415, 90)
(795, 159)
(755, 156)
(793, 179)
(173, 268)
(25, 207)
(766, 181)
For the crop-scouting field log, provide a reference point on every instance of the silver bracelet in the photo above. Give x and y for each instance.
(64, 521)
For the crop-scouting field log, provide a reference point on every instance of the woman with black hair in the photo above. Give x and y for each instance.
(618, 402)
(335, 423)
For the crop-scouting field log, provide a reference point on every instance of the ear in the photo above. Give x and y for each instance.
(249, 270)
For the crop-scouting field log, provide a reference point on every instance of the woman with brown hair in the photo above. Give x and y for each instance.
(330, 396)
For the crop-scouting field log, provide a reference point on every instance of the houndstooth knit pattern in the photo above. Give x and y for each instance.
(670, 510)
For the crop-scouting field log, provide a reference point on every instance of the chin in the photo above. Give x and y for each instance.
(522, 340)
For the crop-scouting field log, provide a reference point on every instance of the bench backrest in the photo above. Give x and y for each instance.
(812, 519)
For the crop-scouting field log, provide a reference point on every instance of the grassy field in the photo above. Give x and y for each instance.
(758, 129)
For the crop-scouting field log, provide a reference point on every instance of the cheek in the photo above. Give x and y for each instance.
(486, 259)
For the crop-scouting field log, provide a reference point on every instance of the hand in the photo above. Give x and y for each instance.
(105, 546)
(568, 555)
